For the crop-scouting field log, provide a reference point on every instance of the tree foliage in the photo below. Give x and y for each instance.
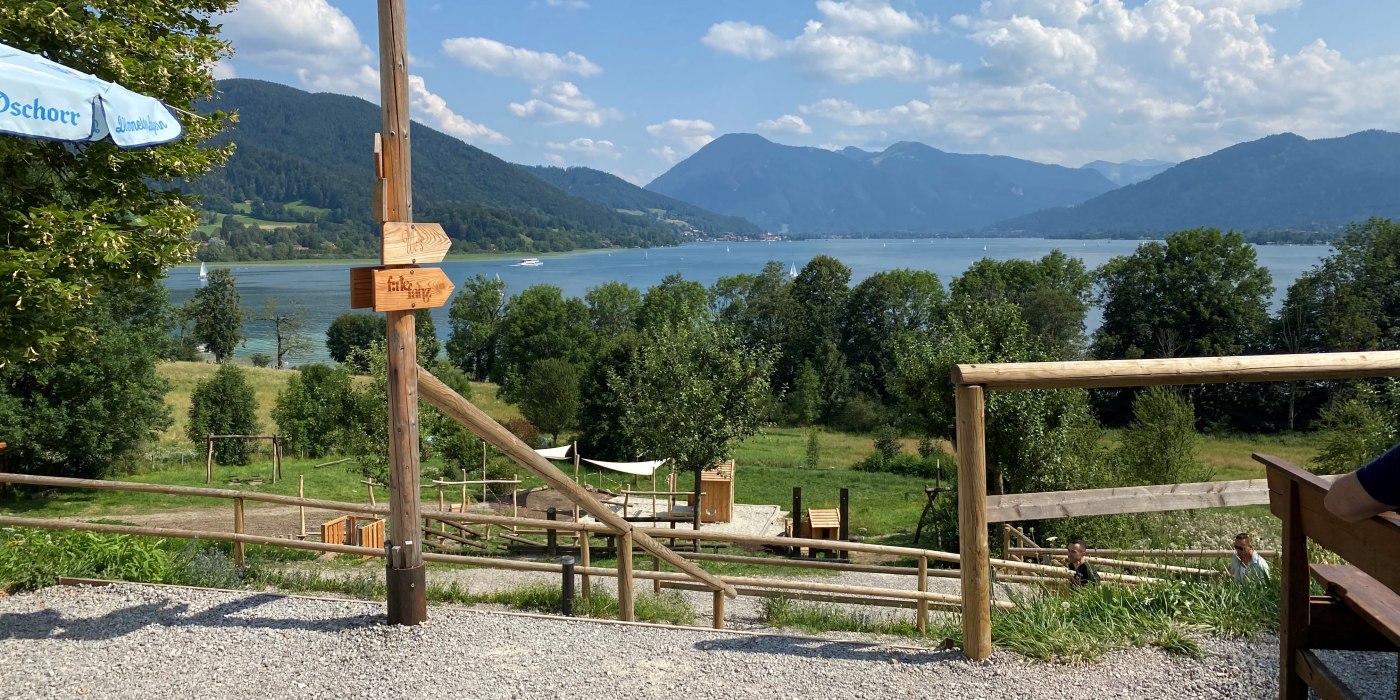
(1351, 300)
(1053, 294)
(85, 411)
(540, 324)
(352, 331)
(80, 219)
(1200, 293)
(475, 318)
(882, 307)
(1159, 446)
(218, 314)
(315, 406)
(288, 328)
(224, 405)
(549, 397)
(690, 394)
(1358, 429)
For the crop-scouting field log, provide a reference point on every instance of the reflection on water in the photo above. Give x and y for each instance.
(325, 289)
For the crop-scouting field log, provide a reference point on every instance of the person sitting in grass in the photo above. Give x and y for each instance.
(1083, 573)
(1368, 491)
(1247, 563)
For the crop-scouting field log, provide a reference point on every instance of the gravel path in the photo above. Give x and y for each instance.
(130, 641)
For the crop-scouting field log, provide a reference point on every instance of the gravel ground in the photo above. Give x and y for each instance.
(131, 641)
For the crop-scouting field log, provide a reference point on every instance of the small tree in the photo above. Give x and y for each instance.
(814, 448)
(288, 327)
(1159, 447)
(691, 393)
(1359, 429)
(314, 408)
(549, 396)
(887, 442)
(218, 314)
(224, 405)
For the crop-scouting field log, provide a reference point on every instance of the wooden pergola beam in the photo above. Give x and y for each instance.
(1182, 370)
(1128, 499)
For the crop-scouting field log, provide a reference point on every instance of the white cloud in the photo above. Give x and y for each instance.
(743, 40)
(680, 137)
(491, 56)
(850, 44)
(317, 40)
(563, 102)
(593, 148)
(788, 123)
(568, 4)
(433, 110)
(867, 18)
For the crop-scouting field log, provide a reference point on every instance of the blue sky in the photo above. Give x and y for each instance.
(633, 87)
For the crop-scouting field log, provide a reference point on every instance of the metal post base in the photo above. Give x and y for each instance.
(407, 589)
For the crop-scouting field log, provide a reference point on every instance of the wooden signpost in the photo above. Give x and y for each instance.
(399, 288)
(412, 244)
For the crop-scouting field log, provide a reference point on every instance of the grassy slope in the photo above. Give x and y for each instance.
(769, 465)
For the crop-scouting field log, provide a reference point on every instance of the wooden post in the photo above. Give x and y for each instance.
(719, 610)
(697, 505)
(585, 552)
(797, 512)
(209, 461)
(238, 529)
(464, 490)
(1005, 541)
(921, 620)
(656, 582)
(844, 530)
(575, 444)
(625, 610)
(277, 455)
(301, 493)
(483, 477)
(405, 581)
(972, 523)
(1293, 623)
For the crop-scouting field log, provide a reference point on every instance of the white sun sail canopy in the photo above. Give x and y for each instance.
(638, 468)
(554, 452)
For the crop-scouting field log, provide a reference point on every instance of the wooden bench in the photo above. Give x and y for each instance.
(1360, 611)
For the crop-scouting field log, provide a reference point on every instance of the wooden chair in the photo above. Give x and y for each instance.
(1360, 611)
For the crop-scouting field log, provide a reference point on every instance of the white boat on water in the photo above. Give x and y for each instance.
(792, 272)
(203, 271)
(530, 262)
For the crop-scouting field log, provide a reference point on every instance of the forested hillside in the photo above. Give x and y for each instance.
(612, 191)
(315, 150)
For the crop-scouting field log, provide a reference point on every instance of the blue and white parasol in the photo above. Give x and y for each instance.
(47, 100)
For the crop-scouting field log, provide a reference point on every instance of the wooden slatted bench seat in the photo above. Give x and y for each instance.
(1361, 609)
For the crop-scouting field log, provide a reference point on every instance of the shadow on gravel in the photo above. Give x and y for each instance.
(50, 624)
(817, 649)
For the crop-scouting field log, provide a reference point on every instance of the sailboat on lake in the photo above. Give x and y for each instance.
(203, 272)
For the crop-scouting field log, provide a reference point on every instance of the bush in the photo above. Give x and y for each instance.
(887, 442)
(260, 359)
(908, 465)
(860, 415)
(224, 405)
(314, 408)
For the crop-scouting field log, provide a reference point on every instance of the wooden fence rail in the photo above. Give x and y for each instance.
(972, 381)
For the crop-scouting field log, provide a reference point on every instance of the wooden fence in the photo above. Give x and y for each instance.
(971, 382)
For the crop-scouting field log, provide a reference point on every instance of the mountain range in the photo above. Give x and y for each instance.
(1128, 172)
(1279, 182)
(316, 150)
(906, 188)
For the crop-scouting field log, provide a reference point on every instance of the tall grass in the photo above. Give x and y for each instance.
(1087, 624)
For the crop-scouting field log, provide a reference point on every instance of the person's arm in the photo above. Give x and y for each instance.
(1372, 489)
(1348, 500)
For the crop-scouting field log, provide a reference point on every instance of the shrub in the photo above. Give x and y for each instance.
(887, 442)
(260, 359)
(224, 405)
(314, 408)
(860, 415)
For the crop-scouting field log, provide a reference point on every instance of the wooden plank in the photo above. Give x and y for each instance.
(1293, 624)
(1332, 625)
(1129, 499)
(413, 243)
(361, 287)
(972, 523)
(1313, 671)
(1372, 545)
(409, 288)
(1375, 604)
(1184, 370)
(824, 517)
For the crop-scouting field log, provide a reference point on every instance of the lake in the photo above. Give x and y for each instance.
(324, 289)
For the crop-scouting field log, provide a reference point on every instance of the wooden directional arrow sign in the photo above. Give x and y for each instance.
(413, 244)
(399, 289)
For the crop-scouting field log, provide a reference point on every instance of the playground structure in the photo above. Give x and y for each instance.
(276, 453)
